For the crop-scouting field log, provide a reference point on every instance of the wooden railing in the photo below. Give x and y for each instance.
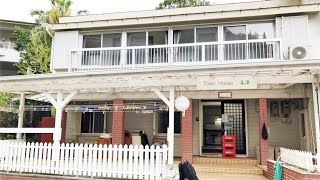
(88, 160)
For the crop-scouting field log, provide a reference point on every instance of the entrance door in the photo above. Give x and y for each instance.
(235, 109)
(212, 128)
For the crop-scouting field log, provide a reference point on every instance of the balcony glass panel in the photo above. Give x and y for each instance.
(235, 51)
(157, 55)
(111, 57)
(184, 53)
(209, 34)
(260, 50)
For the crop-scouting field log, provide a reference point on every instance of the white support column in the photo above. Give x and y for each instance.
(59, 104)
(21, 114)
(170, 130)
(170, 134)
(316, 102)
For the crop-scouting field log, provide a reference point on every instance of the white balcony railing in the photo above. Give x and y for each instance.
(92, 59)
(7, 45)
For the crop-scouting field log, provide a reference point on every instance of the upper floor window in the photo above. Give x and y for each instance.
(157, 38)
(208, 34)
(260, 31)
(183, 36)
(136, 39)
(92, 41)
(111, 40)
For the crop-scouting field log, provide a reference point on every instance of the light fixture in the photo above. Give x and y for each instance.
(182, 103)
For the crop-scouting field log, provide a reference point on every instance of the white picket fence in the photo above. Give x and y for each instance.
(89, 160)
(301, 159)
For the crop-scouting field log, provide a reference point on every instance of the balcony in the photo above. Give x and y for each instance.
(176, 55)
(7, 52)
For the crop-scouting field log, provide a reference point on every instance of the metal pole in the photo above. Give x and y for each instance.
(316, 102)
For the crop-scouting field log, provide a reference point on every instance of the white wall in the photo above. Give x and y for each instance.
(63, 43)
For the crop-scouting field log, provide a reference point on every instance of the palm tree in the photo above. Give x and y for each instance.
(59, 8)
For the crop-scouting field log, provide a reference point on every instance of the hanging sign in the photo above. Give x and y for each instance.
(225, 83)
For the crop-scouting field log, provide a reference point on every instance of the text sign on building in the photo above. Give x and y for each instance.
(223, 83)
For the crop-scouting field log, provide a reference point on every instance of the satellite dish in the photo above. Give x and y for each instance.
(299, 52)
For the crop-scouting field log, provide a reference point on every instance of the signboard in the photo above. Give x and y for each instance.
(225, 83)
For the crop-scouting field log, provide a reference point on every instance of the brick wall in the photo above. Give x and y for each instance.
(263, 119)
(289, 173)
(49, 122)
(186, 135)
(118, 123)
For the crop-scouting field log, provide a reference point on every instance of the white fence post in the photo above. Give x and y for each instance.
(138, 162)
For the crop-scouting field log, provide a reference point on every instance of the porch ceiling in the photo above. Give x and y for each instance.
(129, 82)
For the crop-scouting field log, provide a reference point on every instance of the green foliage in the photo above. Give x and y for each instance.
(23, 38)
(35, 59)
(170, 4)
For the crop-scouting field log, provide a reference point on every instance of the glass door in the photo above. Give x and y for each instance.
(212, 129)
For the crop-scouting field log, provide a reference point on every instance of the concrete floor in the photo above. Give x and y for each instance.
(232, 177)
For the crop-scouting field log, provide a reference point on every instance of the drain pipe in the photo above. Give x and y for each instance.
(316, 111)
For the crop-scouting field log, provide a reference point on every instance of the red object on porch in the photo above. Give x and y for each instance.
(46, 122)
(229, 147)
(49, 122)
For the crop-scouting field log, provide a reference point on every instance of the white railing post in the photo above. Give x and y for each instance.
(203, 53)
(133, 57)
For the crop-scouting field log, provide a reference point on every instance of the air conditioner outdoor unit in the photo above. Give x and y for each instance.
(298, 51)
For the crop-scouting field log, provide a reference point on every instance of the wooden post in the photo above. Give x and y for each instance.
(170, 130)
(21, 114)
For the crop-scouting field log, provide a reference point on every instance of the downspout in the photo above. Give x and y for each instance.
(46, 26)
(318, 113)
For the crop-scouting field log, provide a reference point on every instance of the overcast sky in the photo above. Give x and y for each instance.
(20, 9)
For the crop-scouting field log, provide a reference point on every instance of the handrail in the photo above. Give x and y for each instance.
(180, 45)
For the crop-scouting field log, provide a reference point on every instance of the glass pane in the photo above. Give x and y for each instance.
(183, 36)
(98, 122)
(260, 50)
(186, 53)
(158, 55)
(92, 41)
(157, 38)
(111, 57)
(235, 51)
(163, 122)
(86, 122)
(260, 31)
(208, 35)
(136, 39)
(111, 40)
(233, 33)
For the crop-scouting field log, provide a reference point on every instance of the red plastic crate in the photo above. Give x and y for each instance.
(229, 147)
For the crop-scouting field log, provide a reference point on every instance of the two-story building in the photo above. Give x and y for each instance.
(242, 66)
(9, 56)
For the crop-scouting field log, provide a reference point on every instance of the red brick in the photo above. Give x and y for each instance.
(186, 135)
(263, 119)
(118, 122)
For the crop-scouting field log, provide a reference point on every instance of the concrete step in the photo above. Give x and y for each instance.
(227, 169)
(220, 161)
